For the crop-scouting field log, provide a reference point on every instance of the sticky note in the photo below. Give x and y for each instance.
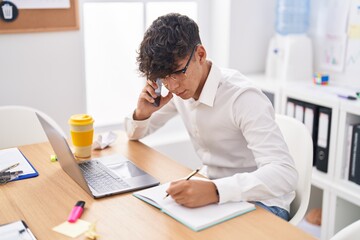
(354, 31)
(72, 229)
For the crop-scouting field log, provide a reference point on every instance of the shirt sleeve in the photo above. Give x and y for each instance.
(138, 129)
(276, 175)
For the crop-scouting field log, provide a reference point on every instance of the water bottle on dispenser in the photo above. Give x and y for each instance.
(290, 50)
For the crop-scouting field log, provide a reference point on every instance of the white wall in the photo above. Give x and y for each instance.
(252, 24)
(44, 71)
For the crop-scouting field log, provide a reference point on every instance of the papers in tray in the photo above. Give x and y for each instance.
(11, 156)
(195, 218)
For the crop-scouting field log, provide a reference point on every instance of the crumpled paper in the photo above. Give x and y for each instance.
(104, 140)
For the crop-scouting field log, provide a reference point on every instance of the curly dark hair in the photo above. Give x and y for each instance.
(169, 39)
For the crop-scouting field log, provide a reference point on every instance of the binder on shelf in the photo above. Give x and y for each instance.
(308, 114)
(348, 145)
(311, 123)
(323, 139)
(290, 107)
(295, 109)
(354, 171)
(299, 111)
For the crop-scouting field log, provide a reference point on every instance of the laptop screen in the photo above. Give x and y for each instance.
(63, 153)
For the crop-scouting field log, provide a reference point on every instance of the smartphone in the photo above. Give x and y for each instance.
(158, 93)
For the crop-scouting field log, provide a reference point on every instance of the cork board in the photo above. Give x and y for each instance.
(43, 20)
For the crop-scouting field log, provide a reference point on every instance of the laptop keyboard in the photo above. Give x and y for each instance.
(100, 178)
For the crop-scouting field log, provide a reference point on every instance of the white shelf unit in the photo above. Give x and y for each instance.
(324, 181)
(340, 201)
(269, 86)
(346, 194)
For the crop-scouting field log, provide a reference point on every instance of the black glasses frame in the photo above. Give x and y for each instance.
(183, 70)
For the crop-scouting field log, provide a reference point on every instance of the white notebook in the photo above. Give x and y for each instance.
(195, 218)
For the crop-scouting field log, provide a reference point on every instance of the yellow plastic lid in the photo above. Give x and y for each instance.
(81, 119)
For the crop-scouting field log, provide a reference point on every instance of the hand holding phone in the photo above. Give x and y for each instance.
(158, 92)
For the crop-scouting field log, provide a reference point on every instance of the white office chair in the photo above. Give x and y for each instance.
(300, 145)
(350, 232)
(20, 126)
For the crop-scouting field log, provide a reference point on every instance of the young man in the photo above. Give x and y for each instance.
(230, 122)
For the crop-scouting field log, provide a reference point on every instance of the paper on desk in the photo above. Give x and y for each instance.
(73, 229)
(104, 140)
(11, 156)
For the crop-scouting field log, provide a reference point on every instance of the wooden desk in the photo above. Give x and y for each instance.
(45, 201)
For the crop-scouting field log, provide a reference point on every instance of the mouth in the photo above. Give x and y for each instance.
(181, 93)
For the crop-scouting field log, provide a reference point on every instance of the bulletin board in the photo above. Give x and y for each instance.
(44, 20)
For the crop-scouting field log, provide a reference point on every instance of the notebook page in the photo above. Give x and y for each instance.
(155, 195)
(206, 216)
(195, 218)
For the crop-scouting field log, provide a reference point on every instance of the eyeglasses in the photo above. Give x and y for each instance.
(180, 74)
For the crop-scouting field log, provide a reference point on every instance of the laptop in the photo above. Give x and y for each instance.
(99, 177)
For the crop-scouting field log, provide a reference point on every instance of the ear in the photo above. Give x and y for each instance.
(201, 53)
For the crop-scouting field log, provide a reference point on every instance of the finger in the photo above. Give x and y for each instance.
(154, 85)
(147, 97)
(181, 201)
(151, 83)
(150, 90)
(175, 188)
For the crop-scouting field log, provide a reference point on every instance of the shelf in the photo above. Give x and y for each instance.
(264, 83)
(348, 190)
(320, 179)
(352, 107)
(309, 92)
(268, 85)
(339, 198)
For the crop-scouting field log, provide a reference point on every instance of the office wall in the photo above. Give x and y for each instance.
(251, 27)
(44, 71)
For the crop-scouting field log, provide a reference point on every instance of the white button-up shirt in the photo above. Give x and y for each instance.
(233, 131)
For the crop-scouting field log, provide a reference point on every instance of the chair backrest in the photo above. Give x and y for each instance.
(300, 146)
(350, 232)
(20, 126)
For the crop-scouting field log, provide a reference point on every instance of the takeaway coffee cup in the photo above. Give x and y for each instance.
(82, 132)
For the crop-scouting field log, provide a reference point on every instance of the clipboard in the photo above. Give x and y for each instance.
(16, 230)
(11, 156)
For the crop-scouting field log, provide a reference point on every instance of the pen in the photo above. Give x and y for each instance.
(349, 97)
(8, 176)
(76, 212)
(10, 167)
(188, 178)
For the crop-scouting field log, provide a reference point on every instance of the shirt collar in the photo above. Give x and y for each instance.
(208, 93)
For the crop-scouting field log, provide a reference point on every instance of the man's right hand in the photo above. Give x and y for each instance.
(146, 99)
